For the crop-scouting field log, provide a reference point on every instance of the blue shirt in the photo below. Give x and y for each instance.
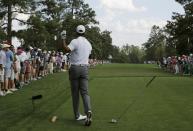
(9, 59)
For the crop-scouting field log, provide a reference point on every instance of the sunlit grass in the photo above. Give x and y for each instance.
(118, 91)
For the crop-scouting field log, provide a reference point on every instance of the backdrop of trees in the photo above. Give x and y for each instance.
(176, 38)
(47, 18)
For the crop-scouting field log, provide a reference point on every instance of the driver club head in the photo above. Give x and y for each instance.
(113, 121)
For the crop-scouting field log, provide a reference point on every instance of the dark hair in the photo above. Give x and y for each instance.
(19, 47)
(35, 49)
(27, 49)
(11, 46)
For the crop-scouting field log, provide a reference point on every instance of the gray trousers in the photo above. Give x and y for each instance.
(78, 76)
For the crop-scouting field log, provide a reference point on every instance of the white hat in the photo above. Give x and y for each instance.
(5, 46)
(31, 48)
(80, 29)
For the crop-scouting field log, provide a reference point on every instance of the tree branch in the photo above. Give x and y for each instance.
(26, 13)
(3, 24)
(14, 11)
(24, 22)
(21, 12)
(4, 28)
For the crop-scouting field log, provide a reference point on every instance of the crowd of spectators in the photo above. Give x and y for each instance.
(178, 64)
(19, 66)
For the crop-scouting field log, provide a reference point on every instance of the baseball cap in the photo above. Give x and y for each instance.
(5, 46)
(80, 29)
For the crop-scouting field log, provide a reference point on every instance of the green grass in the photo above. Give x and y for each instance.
(118, 91)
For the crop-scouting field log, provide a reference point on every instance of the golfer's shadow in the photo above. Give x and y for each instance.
(70, 122)
(40, 114)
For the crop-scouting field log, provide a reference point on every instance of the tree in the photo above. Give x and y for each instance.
(155, 46)
(134, 53)
(36, 35)
(101, 42)
(118, 56)
(106, 44)
(2, 34)
(94, 36)
(81, 11)
(180, 28)
(48, 18)
(52, 17)
(8, 12)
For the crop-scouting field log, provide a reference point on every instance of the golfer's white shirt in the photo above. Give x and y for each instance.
(80, 51)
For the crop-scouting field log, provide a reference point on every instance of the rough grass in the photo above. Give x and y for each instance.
(118, 91)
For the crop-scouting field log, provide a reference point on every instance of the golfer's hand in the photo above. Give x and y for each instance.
(66, 48)
(63, 37)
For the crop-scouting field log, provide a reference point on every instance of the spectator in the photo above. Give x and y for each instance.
(58, 62)
(51, 61)
(191, 63)
(8, 68)
(33, 63)
(17, 69)
(27, 63)
(2, 69)
(180, 65)
(22, 56)
(13, 69)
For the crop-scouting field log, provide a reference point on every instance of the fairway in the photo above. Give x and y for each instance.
(118, 91)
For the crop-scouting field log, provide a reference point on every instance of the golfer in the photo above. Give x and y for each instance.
(79, 50)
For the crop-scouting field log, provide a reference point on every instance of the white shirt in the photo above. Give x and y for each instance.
(23, 56)
(18, 62)
(2, 58)
(28, 55)
(65, 58)
(80, 51)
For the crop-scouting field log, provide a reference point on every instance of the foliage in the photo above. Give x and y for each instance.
(155, 46)
(2, 35)
(9, 9)
(52, 17)
(48, 18)
(180, 29)
(134, 53)
(175, 38)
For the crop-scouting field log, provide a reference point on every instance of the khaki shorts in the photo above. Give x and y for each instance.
(2, 75)
(7, 73)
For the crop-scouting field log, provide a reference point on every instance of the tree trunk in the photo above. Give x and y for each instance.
(9, 27)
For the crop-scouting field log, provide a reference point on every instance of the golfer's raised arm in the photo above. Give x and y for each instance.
(66, 48)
